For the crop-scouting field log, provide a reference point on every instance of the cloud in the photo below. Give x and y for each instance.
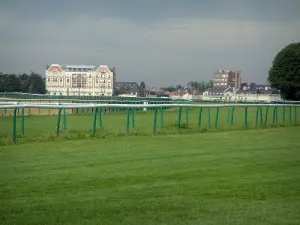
(162, 43)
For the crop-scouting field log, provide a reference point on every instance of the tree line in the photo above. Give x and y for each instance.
(25, 83)
(191, 87)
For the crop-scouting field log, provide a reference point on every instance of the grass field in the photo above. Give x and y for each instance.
(42, 128)
(237, 177)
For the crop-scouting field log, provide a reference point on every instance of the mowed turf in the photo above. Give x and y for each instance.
(237, 177)
(114, 123)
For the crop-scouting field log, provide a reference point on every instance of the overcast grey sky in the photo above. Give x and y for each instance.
(161, 42)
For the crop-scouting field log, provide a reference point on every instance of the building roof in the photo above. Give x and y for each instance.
(79, 68)
(217, 91)
(126, 83)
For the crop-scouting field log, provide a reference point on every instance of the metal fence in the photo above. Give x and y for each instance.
(261, 117)
(17, 95)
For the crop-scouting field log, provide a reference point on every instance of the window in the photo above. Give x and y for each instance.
(48, 79)
(60, 80)
(90, 76)
(97, 81)
(68, 80)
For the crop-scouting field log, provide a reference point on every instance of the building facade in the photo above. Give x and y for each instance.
(227, 78)
(71, 80)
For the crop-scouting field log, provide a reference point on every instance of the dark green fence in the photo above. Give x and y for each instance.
(173, 117)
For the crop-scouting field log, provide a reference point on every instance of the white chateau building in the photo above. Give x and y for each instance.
(79, 80)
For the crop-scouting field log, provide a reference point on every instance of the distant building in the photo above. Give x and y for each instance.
(128, 88)
(258, 89)
(79, 80)
(227, 78)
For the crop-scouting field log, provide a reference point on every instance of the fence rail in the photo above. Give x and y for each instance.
(97, 109)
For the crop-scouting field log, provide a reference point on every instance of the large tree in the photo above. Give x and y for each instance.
(285, 72)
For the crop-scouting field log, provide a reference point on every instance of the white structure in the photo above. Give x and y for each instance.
(79, 80)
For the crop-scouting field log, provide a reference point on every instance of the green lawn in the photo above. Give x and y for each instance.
(237, 177)
(41, 128)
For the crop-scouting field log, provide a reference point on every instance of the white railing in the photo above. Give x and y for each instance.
(13, 105)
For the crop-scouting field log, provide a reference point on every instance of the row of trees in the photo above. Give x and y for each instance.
(26, 83)
(192, 87)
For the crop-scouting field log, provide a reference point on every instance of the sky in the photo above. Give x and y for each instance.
(161, 42)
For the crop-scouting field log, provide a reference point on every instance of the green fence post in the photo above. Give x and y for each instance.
(49, 113)
(187, 115)
(232, 115)
(217, 118)
(274, 115)
(283, 114)
(256, 118)
(179, 118)
(95, 120)
(246, 117)
(39, 111)
(58, 122)
(290, 114)
(295, 115)
(261, 115)
(132, 117)
(266, 116)
(208, 117)
(14, 135)
(4, 112)
(127, 121)
(200, 117)
(100, 117)
(65, 120)
(22, 122)
(154, 121)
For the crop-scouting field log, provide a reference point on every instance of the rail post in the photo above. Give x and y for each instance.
(187, 115)
(154, 121)
(261, 116)
(65, 120)
(100, 117)
(95, 120)
(217, 118)
(256, 116)
(200, 117)
(14, 135)
(283, 115)
(274, 115)
(132, 117)
(22, 122)
(295, 115)
(179, 118)
(58, 122)
(290, 114)
(266, 116)
(128, 121)
(246, 116)
(232, 115)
